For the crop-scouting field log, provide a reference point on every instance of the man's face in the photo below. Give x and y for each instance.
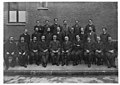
(98, 39)
(110, 38)
(55, 20)
(90, 22)
(104, 30)
(43, 37)
(76, 22)
(77, 37)
(34, 39)
(54, 37)
(47, 22)
(65, 22)
(36, 29)
(88, 39)
(82, 29)
(90, 28)
(58, 28)
(48, 29)
(22, 39)
(38, 22)
(11, 39)
(66, 38)
(26, 30)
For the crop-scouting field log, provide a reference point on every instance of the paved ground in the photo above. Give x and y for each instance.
(70, 67)
(62, 79)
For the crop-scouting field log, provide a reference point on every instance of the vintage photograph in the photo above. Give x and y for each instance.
(60, 42)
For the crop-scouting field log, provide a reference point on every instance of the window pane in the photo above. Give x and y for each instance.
(12, 16)
(22, 16)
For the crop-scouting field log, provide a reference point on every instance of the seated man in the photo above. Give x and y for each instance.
(34, 51)
(10, 52)
(99, 51)
(66, 49)
(88, 51)
(110, 53)
(22, 52)
(77, 50)
(43, 48)
(55, 50)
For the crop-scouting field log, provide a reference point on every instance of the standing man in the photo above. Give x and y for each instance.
(55, 50)
(77, 27)
(60, 35)
(10, 53)
(88, 51)
(54, 26)
(71, 34)
(40, 27)
(66, 50)
(104, 36)
(65, 28)
(90, 24)
(26, 36)
(92, 35)
(43, 48)
(36, 34)
(34, 51)
(46, 26)
(22, 52)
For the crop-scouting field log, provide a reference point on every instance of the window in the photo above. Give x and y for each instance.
(15, 15)
(42, 6)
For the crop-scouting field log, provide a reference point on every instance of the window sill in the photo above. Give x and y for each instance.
(16, 24)
(42, 8)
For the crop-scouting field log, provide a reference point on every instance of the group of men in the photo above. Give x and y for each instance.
(61, 45)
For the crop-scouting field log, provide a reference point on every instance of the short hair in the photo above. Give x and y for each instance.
(55, 18)
(90, 19)
(104, 28)
(37, 21)
(64, 20)
(46, 20)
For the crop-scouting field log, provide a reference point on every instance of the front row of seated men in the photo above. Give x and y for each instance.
(40, 52)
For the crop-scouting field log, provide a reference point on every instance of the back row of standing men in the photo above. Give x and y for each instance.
(64, 43)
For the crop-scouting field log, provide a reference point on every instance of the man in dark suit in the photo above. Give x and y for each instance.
(34, 51)
(90, 24)
(55, 25)
(88, 51)
(44, 51)
(77, 50)
(66, 50)
(104, 36)
(77, 27)
(22, 52)
(110, 53)
(55, 50)
(99, 48)
(40, 27)
(10, 49)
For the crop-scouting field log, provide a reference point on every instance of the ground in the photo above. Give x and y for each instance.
(62, 79)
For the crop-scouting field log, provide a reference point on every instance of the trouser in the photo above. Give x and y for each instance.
(23, 59)
(110, 59)
(99, 57)
(89, 57)
(34, 57)
(65, 58)
(10, 60)
(55, 57)
(44, 56)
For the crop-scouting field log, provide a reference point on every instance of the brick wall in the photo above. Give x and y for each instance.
(103, 14)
